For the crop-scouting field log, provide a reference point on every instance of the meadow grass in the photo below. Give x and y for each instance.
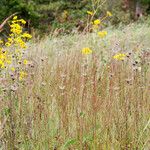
(72, 101)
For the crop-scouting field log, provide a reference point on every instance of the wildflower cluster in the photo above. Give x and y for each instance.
(119, 56)
(90, 13)
(86, 51)
(5, 58)
(102, 34)
(12, 51)
(95, 25)
(97, 22)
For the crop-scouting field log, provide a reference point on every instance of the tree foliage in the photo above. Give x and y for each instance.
(65, 14)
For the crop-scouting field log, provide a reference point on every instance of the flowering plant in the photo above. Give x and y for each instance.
(13, 50)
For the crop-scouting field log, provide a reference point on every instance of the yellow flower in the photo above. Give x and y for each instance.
(8, 44)
(22, 75)
(2, 65)
(102, 34)
(1, 42)
(109, 13)
(10, 40)
(22, 21)
(11, 34)
(16, 28)
(23, 45)
(10, 57)
(97, 22)
(20, 42)
(15, 17)
(95, 27)
(2, 57)
(86, 51)
(26, 35)
(12, 69)
(119, 56)
(8, 61)
(25, 62)
(90, 13)
(1, 61)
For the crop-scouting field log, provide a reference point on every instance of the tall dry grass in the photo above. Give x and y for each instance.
(71, 101)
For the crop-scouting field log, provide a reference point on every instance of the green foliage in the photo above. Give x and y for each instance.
(26, 9)
(47, 15)
(44, 13)
(119, 15)
(146, 1)
(69, 143)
